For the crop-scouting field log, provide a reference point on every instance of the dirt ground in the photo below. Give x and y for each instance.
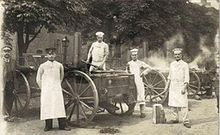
(203, 116)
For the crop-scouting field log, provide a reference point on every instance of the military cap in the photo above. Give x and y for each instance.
(50, 50)
(7, 48)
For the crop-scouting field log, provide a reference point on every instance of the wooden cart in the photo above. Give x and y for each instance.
(86, 94)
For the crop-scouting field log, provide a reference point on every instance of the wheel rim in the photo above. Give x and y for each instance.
(81, 98)
(194, 84)
(21, 94)
(154, 84)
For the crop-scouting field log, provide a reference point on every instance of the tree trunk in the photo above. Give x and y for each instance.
(22, 46)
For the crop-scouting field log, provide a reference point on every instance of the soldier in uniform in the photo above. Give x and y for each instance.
(178, 80)
(49, 77)
(136, 67)
(9, 76)
(98, 52)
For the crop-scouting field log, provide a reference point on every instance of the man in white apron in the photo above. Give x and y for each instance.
(136, 67)
(49, 77)
(98, 52)
(178, 80)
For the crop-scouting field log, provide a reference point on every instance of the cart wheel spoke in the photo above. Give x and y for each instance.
(87, 88)
(150, 78)
(158, 82)
(146, 81)
(83, 111)
(71, 113)
(154, 78)
(158, 88)
(193, 82)
(71, 88)
(68, 93)
(16, 105)
(156, 92)
(19, 102)
(70, 102)
(86, 98)
(193, 86)
(192, 90)
(146, 85)
(88, 107)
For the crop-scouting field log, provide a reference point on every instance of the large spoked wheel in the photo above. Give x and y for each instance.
(154, 84)
(80, 97)
(21, 94)
(194, 84)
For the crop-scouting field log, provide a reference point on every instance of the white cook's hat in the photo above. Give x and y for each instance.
(99, 34)
(134, 51)
(177, 50)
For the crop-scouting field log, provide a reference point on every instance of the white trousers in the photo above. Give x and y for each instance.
(176, 112)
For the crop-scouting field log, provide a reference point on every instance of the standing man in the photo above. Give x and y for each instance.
(177, 84)
(49, 77)
(214, 74)
(136, 67)
(98, 52)
(9, 77)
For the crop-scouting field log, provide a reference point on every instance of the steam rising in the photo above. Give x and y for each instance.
(205, 56)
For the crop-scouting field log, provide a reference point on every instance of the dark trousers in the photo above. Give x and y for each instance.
(61, 122)
(217, 97)
(8, 98)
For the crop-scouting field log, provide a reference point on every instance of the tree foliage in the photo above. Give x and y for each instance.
(155, 21)
(28, 17)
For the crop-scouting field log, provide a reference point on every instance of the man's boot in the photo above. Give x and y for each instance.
(48, 125)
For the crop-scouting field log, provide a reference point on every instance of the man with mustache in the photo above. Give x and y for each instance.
(178, 80)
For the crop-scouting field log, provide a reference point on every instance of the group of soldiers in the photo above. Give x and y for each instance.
(50, 75)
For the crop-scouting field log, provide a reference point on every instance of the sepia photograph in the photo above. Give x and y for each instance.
(109, 67)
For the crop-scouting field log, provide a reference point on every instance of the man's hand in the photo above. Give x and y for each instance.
(183, 91)
(145, 72)
(101, 66)
(87, 61)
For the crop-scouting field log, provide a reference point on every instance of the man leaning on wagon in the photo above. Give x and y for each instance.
(137, 67)
(98, 52)
(49, 77)
(178, 80)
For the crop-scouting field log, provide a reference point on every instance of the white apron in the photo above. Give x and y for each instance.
(49, 79)
(135, 67)
(178, 74)
(98, 51)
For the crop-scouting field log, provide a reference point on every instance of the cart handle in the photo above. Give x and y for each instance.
(92, 65)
